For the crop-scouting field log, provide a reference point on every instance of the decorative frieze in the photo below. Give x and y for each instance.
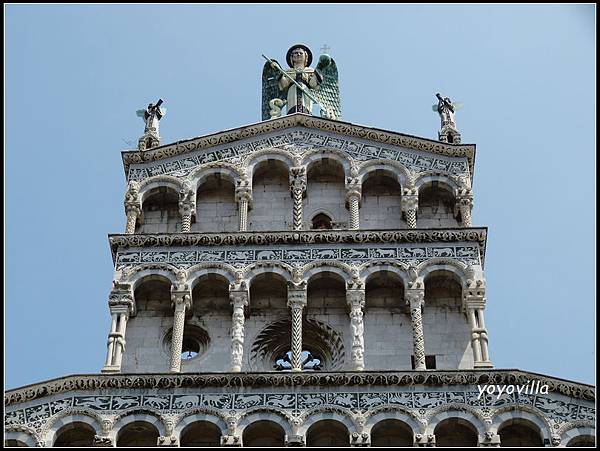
(359, 142)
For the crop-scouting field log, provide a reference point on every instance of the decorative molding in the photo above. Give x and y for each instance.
(287, 141)
(478, 235)
(256, 380)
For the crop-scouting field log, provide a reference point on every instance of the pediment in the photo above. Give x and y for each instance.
(297, 135)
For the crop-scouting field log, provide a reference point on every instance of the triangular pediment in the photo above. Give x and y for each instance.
(297, 134)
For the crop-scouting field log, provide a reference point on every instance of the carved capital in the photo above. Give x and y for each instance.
(181, 300)
(294, 440)
(231, 440)
(409, 202)
(296, 295)
(132, 198)
(100, 441)
(238, 298)
(355, 299)
(243, 190)
(121, 301)
(171, 440)
(298, 179)
(353, 189)
(414, 298)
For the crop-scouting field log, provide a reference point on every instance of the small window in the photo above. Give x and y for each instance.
(429, 362)
(321, 221)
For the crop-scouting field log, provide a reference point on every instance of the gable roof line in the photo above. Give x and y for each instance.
(299, 119)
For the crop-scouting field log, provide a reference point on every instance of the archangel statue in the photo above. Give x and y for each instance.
(446, 109)
(151, 115)
(300, 87)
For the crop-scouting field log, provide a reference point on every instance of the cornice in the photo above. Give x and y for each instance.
(478, 235)
(312, 379)
(294, 120)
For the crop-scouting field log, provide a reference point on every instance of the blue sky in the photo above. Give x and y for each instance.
(75, 75)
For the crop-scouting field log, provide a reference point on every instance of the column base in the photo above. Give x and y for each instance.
(111, 369)
(485, 364)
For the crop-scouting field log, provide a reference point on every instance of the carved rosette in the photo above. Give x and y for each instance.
(414, 299)
(296, 302)
(181, 300)
(356, 301)
(239, 300)
(298, 188)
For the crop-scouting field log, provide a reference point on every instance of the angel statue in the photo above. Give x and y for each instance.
(151, 115)
(300, 87)
(448, 130)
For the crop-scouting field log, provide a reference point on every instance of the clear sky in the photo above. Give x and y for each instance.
(75, 75)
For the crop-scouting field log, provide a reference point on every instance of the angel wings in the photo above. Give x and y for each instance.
(306, 85)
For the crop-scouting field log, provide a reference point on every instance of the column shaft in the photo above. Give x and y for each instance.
(415, 300)
(239, 300)
(356, 302)
(243, 215)
(475, 344)
(181, 301)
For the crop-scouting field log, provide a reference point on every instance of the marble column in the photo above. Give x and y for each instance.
(243, 197)
(181, 301)
(296, 303)
(239, 300)
(353, 196)
(414, 299)
(356, 302)
(121, 305)
(298, 188)
(409, 206)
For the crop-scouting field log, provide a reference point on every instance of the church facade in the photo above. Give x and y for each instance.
(301, 281)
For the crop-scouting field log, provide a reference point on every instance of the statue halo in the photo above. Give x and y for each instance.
(288, 56)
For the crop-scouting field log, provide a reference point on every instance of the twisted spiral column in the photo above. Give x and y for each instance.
(181, 300)
(353, 195)
(297, 187)
(414, 298)
(239, 300)
(411, 219)
(356, 302)
(297, 302)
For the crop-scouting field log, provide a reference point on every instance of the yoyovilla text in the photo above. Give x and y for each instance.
(530, 388)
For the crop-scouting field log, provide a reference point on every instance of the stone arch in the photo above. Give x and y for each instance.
(72, 415)
(146, 415)
(340, 414)
(341, 269)
(257, 268)
(159, 181)
(453, 410)
(199, 175)
(577, 432)
(398, 170)
(391, 412)
(201, 269)
(199, 414)
(521, 413)
(264, 414)
(253, 160)
(315, 155)
(450, 180)
(369, 269)
(459, 269)
(142, 273)
(318, 211)
(22, 434)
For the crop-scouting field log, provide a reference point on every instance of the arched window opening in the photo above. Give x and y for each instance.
(216, 209)
(436, 206)
(326, 191)
(391, 433)
(271, 199)
(200, 434)
(268, 293)
(519, 432)
(321, 222)
(75, 434)
(138, 433)
(328, 433)
(10, 443)
(582, 440)
(381, 201)
(161, 211)
(455, 432)
(263, 433)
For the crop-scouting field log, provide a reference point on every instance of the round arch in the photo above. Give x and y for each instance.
(154, 271)
(433, 265)
(199, 175)
(262, 414)
(523, 415)
(314, 156)
(368, 270)
(21, 434)
(395, 169)
(252, 162)
(196, 272)
(450, 182)
(337, 414)
(141, 415)
(160, 181)
(263, 268)
(340, 269)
